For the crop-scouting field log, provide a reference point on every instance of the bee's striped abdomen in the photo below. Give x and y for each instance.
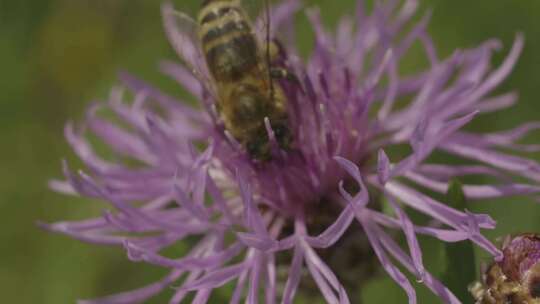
(227, 40)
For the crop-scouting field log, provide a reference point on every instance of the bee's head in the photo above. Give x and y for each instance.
(258, 148)
(248, 110)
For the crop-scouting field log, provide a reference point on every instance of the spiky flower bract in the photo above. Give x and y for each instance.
(349, 105)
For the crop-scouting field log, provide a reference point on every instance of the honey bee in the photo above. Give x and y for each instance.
(516, 278)
(248, 92)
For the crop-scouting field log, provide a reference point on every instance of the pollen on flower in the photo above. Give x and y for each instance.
(284, 197)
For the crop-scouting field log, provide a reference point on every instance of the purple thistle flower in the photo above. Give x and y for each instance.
(516, 277)
(521, 254)
(350, 105)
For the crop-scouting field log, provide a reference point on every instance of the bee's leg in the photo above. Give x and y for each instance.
(281, 73)
(276, 51)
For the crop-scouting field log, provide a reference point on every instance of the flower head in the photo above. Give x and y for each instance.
(349, 105)
(515, 278)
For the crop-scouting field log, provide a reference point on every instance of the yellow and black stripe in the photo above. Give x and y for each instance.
(227, 39)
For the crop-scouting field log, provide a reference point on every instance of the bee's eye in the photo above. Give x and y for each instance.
(534, 287)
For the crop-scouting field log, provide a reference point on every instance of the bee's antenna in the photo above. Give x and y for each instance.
(268, 59)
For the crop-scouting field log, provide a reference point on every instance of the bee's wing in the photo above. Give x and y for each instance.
(276, 21)
(260, 16)
(181, 30)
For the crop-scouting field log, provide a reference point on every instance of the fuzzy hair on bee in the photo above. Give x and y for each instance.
(250, 100)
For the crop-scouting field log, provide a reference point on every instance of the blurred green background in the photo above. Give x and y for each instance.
(58, 55)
